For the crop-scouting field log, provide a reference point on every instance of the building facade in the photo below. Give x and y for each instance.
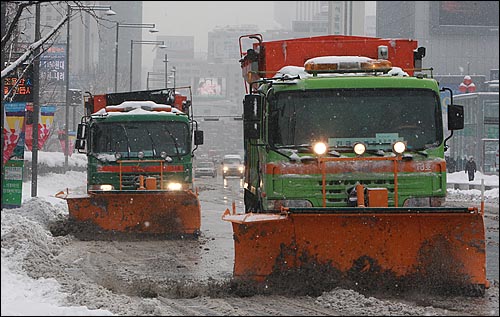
(461, 37)
(461, 40)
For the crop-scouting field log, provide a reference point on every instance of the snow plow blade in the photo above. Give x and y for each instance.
(397, 249)
(156, 212)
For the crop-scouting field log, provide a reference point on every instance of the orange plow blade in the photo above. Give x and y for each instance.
(157, 212)
(367, 248)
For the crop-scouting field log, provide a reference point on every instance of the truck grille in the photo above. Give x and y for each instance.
(131, 181)
(336, 190)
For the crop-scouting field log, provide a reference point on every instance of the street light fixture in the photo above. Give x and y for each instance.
(70, 8)
(119, 25)
(160, 44)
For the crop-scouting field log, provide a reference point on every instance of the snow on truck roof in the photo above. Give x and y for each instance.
(138, 107)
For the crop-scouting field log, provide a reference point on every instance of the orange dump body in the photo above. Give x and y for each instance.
(368, 247)
(141, 211)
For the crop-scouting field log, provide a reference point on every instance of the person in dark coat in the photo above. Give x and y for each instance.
(470, 167)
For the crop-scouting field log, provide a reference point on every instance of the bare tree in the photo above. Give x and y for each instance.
(17, 21)
(16, 25)
(13, 28)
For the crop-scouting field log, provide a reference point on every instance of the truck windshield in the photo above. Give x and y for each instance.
(149, 137)
(377, 117)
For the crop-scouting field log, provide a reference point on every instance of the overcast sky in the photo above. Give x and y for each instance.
(197, 18)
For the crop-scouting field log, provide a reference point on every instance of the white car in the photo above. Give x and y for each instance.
(205, 168)
(232, 165)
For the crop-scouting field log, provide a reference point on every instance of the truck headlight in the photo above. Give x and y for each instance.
(101, 187)
(359, 148)
(399, 147)
(319, 148)
(174, 186)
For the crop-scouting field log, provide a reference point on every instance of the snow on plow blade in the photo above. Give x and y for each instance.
(157, 212)
(397, 249)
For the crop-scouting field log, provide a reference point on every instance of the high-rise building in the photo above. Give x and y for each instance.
(310, 18)
(461, 37)
(223, 42)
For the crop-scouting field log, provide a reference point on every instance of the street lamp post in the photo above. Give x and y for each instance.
(166, 70)
(70, 8)
(160, 44)
(119, 25)
(174, 70)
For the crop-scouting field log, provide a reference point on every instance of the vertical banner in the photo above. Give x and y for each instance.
(71, 141)
(52, 63)
(13, 131)
(45, 121)
(13, 154)
(12, 184)
(18, 87)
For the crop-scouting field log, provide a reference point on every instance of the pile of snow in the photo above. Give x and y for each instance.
(56, 159)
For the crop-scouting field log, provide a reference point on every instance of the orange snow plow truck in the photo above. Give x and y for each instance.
(345, 174)
(139, 164)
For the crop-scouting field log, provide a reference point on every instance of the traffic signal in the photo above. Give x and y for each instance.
(75, 97)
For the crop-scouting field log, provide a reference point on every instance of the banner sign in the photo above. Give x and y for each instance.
(23, 84)
(45, 121)
(71, 141)
(52, 63)
(210, 86)
(13, 154)
(12, 184)
(13, 130)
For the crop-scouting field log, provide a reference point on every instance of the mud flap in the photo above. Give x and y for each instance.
(433, 248)
(157, 212)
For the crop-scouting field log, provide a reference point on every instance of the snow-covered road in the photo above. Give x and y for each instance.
(172, 277)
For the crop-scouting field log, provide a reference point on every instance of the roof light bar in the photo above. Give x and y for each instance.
(346, 64)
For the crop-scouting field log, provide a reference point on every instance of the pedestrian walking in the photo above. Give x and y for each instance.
(470, 168)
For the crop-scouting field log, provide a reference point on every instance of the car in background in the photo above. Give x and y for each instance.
(232, 165)
(205, 168)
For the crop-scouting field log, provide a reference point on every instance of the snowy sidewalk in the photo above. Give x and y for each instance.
(460, 180)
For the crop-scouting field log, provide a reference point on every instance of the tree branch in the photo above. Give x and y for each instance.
(31, 49)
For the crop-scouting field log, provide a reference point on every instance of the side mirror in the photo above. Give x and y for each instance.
(81, 133)
(198, 137)
(252, 112)
(251, 129)
(80, 144)
(252, 107)
(455, 117)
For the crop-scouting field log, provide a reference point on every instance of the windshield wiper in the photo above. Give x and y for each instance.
(128, 143)
(175, 142)
(277, 150)
(302, 148)
(423, 152)
(153, 146)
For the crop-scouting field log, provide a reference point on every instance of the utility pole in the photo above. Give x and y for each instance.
(3, 28)
(36, 106)
(66, 78)
(166, 70)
